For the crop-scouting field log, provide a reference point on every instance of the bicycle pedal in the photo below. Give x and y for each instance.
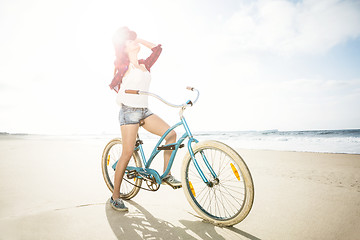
(169, 147)
(131, 174)
(174, 187)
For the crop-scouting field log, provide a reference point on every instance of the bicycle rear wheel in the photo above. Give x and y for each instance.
(229, 198)
(112, 152)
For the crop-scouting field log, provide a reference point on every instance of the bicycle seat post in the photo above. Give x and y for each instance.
(138, 141)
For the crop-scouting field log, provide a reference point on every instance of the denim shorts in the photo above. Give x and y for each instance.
(132, 115)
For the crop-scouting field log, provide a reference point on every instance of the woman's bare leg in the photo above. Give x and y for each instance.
(157, 126)
(128, 134)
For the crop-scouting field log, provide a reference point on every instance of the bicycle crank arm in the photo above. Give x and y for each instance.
(147, 173)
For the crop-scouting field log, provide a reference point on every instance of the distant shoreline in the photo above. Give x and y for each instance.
(14, 134)
(213, 132)
(325, 141)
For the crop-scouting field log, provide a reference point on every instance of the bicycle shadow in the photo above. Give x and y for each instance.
(141, 224)
(207, 231)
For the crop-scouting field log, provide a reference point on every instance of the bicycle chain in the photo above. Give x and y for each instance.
(141, 187)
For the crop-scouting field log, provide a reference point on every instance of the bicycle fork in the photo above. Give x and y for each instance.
(200, 171)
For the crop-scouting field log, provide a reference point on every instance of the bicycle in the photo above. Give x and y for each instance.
(216, 181)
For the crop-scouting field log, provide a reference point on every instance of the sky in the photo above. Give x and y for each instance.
(259, 65)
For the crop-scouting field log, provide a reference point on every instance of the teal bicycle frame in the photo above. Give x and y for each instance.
(147, 171)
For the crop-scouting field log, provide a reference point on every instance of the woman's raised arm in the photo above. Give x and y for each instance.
(145, 43)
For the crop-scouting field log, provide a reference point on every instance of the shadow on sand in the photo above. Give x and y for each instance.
(141, 224)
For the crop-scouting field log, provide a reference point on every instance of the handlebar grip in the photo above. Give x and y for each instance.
(132, 91)
(190, 88)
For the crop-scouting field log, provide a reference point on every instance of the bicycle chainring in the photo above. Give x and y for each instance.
(152, 184)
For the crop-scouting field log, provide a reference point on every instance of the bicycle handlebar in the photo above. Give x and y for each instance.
(187, 103)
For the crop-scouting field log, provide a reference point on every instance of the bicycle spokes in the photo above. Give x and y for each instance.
(226, 198)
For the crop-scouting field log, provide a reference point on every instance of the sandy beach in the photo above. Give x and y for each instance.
(52, 188)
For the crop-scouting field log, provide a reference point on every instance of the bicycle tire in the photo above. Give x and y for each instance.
(111, 154)
(230, 200)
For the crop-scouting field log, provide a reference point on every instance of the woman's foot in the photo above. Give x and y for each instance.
(118, 204)
(170, 180)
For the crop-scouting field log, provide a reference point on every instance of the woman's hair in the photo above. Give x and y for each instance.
(119, 39)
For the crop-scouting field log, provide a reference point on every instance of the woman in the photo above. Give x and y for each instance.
(132, 73)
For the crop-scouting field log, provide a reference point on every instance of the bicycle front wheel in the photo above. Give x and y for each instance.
(112, 152)
(228, 199)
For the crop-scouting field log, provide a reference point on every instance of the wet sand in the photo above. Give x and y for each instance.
(52, 188)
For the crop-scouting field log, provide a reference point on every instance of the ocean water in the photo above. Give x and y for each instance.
(325, 141)
(329, 141)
